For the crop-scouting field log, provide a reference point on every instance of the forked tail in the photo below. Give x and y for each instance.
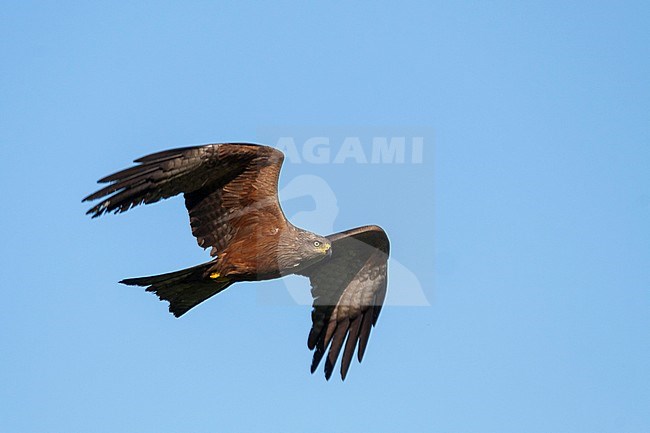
(183, 289)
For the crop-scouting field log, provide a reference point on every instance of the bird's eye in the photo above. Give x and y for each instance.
(317, 244)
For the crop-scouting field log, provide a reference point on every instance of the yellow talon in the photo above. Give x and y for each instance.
(215, 275)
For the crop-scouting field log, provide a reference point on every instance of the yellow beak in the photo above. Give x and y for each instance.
(326, 249)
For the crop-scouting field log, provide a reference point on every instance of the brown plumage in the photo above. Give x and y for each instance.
(230, 193)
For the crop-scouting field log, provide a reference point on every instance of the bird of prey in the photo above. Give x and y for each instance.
(231, 195)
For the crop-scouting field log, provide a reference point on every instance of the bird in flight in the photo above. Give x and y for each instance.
(231, 195)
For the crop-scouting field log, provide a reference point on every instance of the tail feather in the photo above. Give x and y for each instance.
(183, 289)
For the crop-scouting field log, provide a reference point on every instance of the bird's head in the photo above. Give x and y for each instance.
(302, 249)
(321, 246)
(313, 246)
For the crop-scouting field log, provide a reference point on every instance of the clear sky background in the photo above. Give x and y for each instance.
(526, 226)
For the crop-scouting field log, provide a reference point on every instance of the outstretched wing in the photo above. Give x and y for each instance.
(226, 186)
(348, 291)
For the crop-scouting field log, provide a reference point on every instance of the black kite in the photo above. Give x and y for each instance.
(231, 194)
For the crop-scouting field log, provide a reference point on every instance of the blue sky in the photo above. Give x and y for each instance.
(525, 226)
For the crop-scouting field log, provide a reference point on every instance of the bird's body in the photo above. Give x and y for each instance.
(230, 193)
